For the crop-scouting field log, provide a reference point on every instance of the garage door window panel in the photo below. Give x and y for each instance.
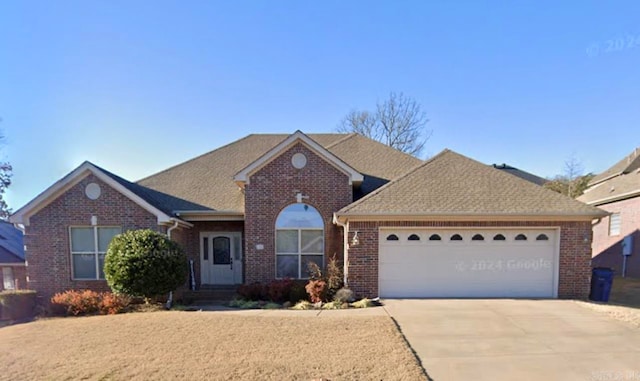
(456, 237)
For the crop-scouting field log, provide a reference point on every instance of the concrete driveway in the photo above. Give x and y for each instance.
(506, 339)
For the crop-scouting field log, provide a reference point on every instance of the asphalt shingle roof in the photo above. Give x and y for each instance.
(452, 184)
(628, 164)
(622, 179)
(11, 244)
(207, 180)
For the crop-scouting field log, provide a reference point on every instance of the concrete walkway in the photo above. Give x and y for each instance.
(517, 340)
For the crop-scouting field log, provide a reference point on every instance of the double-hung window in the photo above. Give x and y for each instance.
(88, 247)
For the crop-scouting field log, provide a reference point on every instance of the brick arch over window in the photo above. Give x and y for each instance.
(299, 240)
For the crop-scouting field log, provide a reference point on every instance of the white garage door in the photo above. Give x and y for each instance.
(468, 263)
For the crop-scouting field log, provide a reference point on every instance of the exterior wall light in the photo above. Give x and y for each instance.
(355, 241)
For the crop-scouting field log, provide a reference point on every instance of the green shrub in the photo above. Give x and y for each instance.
(317, 290)
(87, 302)
(144, 263)
(272, 306)
(17, 305)
(244, 304)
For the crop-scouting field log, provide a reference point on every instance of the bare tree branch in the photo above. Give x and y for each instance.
(398, 122)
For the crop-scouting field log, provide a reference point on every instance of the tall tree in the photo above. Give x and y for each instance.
(572, 182)
(6, 171)
(398, 122)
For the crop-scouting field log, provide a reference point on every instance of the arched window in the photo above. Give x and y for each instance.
(477, 237)
(521, 237)
(456, 237)
(499, 237)
(413, 237)
(542, 237)
(435, 237)
(299, 240)
(392, 237)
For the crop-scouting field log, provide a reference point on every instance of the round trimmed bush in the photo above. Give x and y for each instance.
(144, 263)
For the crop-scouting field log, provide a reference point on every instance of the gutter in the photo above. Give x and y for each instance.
(345, 252)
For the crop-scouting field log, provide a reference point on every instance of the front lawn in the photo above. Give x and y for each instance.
(625, 292)
(207, 345)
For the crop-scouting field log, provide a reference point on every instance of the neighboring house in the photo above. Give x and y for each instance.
(617, 190)
(521, 174)
(12, 260)
(264, 206)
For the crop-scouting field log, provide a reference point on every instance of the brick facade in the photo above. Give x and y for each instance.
(269, 190)
(47, 236)
(607, 250)
(575, 253)
(274, 187)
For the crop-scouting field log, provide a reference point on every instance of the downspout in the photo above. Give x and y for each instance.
(19, 227)
(345, 253)
(175, 225)
(171, 228)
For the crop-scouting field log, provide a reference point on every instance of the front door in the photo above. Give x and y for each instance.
(221, 258)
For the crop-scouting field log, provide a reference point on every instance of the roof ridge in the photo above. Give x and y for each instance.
(197, 157)
(339, 141)
(397, 179)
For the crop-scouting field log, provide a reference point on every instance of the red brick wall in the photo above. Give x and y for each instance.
(607, 250)
(189, 239)
(47, 236)
(575, 253)
(19, 277)
(274, 187)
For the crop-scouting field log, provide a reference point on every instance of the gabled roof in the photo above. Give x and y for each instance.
(451, 185)
(11, 244)
(138, 194)
(242, 176)
(616, 183)
(627, 165)
(521, 174)
(208, 180)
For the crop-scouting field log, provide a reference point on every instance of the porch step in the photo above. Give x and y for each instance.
(209, 295)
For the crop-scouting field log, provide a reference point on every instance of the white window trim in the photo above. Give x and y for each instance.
(299, 252)
(12, 285)
(96, 253)
(612, 234)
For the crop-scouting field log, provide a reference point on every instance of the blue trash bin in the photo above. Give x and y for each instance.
(601, 282)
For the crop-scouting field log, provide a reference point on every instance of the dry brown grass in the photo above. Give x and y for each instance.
(625, 292)
(206, 345)
(624, 301)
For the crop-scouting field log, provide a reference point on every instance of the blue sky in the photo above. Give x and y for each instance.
(138, 86)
